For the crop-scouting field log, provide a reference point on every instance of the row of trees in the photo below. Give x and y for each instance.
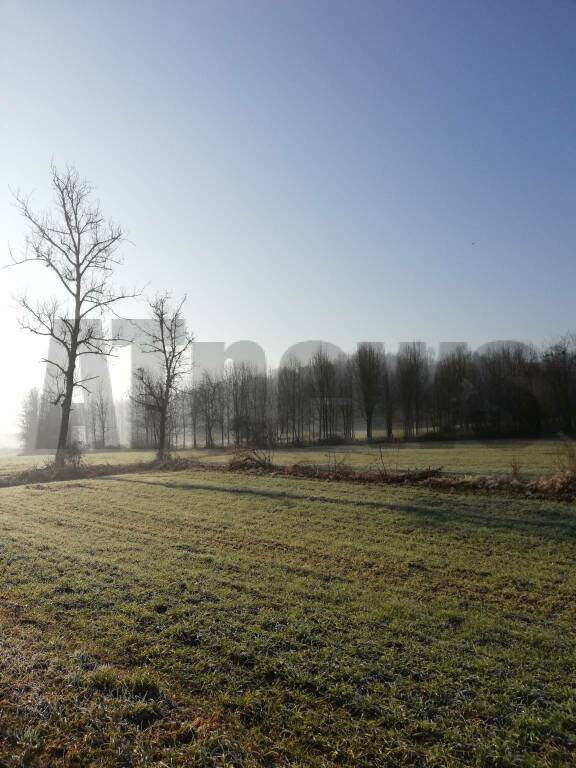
(40, 421)
(510, 390)
(506, 390)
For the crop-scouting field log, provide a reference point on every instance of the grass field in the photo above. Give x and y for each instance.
(12, 463)
(492, 457)
(214, 619)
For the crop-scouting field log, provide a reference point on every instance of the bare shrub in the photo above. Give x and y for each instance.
(384, 467)
(565, 458)
(252, 458)
(337, 465)
(175, 463)
(74, 456)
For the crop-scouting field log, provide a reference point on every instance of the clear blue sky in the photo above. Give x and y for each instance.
(309, 169)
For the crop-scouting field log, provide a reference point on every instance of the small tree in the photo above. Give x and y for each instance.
(79, 248)
(168, 342)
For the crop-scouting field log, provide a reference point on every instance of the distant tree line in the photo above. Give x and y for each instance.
(507, 390)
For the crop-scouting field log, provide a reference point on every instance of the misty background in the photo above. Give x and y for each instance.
(383, 171)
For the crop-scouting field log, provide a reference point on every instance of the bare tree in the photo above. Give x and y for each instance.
(100, 413)
(345, 395)
(28, 420)
(506, 375)
(559, 371)
(450, 377)
(323, 378)
(292, 401)
(206, 405)
(368, 367)
(193, 410)
(80, 248)
(389, 392)
(412, 370)
(168, 342)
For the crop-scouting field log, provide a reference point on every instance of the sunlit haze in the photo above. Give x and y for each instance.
(383, 171)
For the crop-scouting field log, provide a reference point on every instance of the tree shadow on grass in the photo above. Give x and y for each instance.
(557, 523)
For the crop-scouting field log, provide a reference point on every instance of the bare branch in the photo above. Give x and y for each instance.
(77, 246)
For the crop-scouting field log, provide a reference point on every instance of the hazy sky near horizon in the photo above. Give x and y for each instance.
(311, 169)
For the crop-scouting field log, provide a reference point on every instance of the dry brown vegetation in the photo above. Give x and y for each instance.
(559, 485)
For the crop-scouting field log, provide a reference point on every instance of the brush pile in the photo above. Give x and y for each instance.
(560, 486)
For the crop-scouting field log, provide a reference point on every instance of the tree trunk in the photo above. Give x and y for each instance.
(67, 401)
(64, 424)
(389, 428)
(161, 452)
(369, 425)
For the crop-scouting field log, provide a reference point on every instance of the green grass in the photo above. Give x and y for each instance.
(211, 619)
(11, 463)
(491, 457)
